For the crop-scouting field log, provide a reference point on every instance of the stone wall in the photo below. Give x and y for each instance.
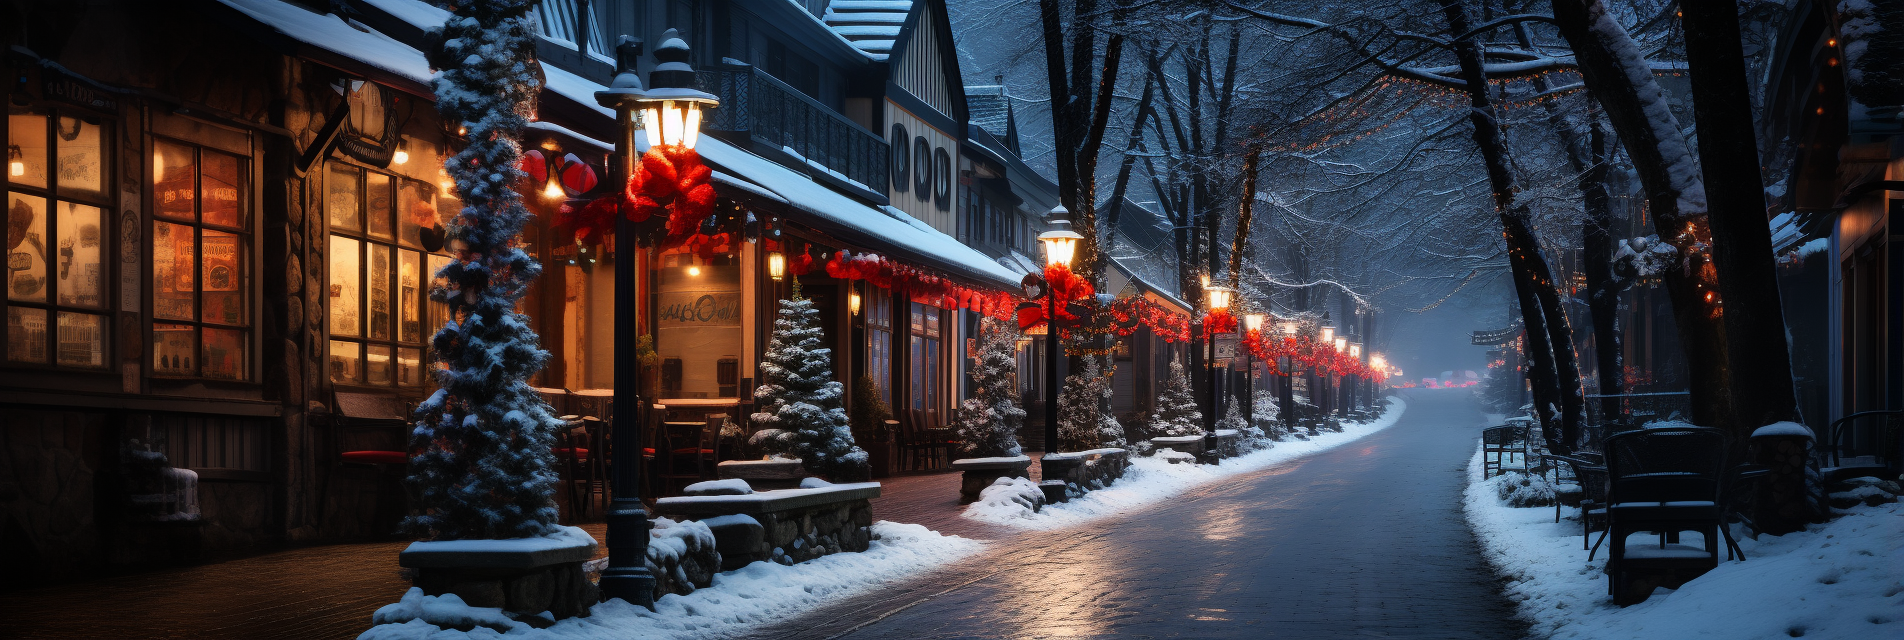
(786, 526)
(1087, 470)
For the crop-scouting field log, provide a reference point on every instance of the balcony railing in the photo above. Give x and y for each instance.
(782, 118)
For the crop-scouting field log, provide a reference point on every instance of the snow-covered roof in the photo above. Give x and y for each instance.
(334, 34)
(870, 25)
(832, 210)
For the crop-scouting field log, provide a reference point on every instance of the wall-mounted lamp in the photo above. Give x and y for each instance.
(777, 265)
(852, 302)
(403, 152)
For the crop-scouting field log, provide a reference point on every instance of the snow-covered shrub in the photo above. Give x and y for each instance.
(988, 422)
(802, 414)
(1524, 490)
(681, 555)
(1268, 415)
(1007, 498)
(483, 464)
(1083, 422)
(1177, 413)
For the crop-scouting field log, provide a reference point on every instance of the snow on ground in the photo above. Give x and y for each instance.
(1836, 580)
(757, 593)
(1150, 479)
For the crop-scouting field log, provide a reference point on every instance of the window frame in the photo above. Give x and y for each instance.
(247, 235)
(396, 243)
(51, 194)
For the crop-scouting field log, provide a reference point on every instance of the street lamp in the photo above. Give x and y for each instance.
(1219, 299)
(1060, 243)
(1355, 382)
(671, 111)
(1252, 323)
(1287, 395)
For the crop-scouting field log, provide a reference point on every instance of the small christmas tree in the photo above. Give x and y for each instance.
(988, 422)
(1083, 422)
(482, 464)
(1177, 413)
(802, 412)
(1267, 414)
(1233, 417)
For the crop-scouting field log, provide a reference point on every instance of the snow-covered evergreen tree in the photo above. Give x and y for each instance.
(802, 412)
(1177, 412)
(1233, 416)
(483, 467)
(988, 422)
(1267, 414)
(1083, 421)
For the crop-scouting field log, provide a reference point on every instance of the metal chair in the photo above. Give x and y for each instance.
(1498, 445)
(1592, 476)
(1664, 480)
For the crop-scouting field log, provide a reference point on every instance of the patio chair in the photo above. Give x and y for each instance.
(1500, 446)
(1592, 476)
(1664, 480)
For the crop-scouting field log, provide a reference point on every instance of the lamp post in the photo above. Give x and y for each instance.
(1341, 345)
(671, 115)
(1219, 300)
(1060, 244)
(1287, 394)
(1320, 395)
(1355, 381)
(1379, 365)
(1252, 323)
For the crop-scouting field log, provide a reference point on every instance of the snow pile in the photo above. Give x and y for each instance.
(728, 487)
(1836, 580)
(1153, 479)
(757, 593)
(1007, 499)
(1523, 490)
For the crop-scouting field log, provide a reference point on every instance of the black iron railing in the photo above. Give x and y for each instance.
(780, 117)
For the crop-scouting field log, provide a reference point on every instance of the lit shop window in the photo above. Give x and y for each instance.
(879, 322)
(56, 267)
(201, 271)
(379, 275)
(697, 306)
(926, 338)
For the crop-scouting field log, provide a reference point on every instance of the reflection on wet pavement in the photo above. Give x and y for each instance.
(1361, 541)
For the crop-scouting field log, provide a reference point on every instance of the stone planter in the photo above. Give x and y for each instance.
(764, 475)
(785, 526)
(1192, 445)
(979, 473)
(522, 576)
(1229, 443)
(1086, 470)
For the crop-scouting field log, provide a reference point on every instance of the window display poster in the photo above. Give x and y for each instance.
(696, 309)
(26, 335)
(80, 263)
(173, 255)
(26, 248)
(82, 340)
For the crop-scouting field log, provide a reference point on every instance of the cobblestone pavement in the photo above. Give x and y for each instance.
(1366, 540)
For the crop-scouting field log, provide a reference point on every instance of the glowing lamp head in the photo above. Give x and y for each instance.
(1328, 334)
(1220, 297)
(1355, 350)
(671, 107)
(852, 303)
(777, 265)
(1061, 243)
(1341, 344)
(1290, 328)
(1204, 279)
(1378, 363)
(402, 155)
(1253, 321)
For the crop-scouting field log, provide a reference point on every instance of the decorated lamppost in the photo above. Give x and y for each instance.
(671, 120)
(1218, 321)
(1321, 384)
(1341, 345)
(1287, 394)
(1378, 368)
(1253, 325)
(1355, 379)
(1060, 244)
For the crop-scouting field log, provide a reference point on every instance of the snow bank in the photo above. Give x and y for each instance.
(757, 593)
(1007, 499)
(1151, 479)
(1836, 580)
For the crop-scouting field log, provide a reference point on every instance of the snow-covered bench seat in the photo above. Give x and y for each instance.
(978, 473)
(782, 525)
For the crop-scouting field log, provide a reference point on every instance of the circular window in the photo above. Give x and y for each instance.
(922, 168)
(942, 179)
(899, 156)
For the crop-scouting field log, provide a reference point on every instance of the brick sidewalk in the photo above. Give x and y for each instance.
(329, 591)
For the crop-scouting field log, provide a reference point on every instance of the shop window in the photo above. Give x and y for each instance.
(378, 275)
(697, 306)
(901, 179)
(57, 256)
(941, 179)
(201, 245)
(879, 327)
(924, 351)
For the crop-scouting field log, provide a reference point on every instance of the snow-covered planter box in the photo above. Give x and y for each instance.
(1192, 445)
(763, 475)
(783, 525)
(1086, 470)
(523, 576)
(979, 473)
(1229, 443)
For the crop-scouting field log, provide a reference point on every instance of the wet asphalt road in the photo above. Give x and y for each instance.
(1363, 541)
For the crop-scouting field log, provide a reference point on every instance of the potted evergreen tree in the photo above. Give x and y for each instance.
(988, 422)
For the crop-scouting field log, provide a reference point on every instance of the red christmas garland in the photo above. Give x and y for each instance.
(670, 180)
